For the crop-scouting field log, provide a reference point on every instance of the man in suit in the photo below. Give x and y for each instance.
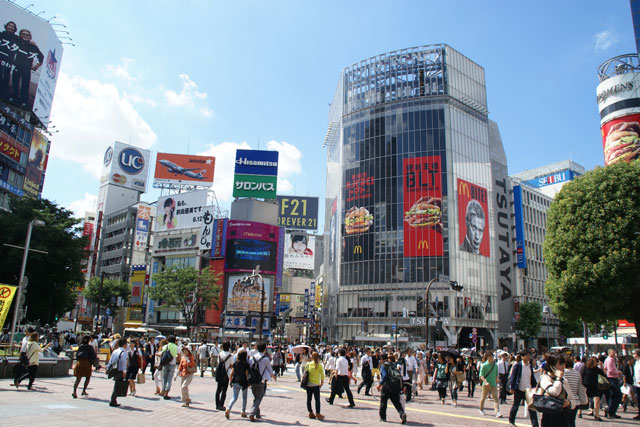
(150, 355)
(521, 379)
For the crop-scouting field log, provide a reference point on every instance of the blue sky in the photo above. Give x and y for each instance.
(208, 76)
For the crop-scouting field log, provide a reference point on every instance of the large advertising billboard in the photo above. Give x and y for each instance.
(138, 275)
(175, 242)
(184, 169)
(473, 218)
(126, 166)
(422, 206)
(621, 139)
(250, 244)
(182, 210)
(256, 186)
(298, 213)
(30, 54)
(37, 164)
(245, 295)
(299, 251)
(143, 218)
(358, 223)
(256, 162)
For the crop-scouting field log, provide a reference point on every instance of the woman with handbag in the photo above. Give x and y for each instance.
(240, 382)
(134, 355)
(85, 356)
(314, 374)
(440, 377)
(590, 379)
(186, 370)
(157, 375)
(33, 354)
(554, 385)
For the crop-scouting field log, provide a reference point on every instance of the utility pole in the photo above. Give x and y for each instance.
(98, 324)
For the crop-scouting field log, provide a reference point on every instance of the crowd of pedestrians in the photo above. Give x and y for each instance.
(594, 386)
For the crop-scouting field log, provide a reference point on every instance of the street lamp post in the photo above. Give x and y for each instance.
(16, 308)
(455, 286)
(546, 310)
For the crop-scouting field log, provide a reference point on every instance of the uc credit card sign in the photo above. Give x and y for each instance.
(256, 162)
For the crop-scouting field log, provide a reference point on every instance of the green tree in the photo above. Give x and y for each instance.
(51, 275)
(111, 290)
(186, 289)
(530, 322)
(592, 246)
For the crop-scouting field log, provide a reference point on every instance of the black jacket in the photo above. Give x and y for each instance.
(516, 373)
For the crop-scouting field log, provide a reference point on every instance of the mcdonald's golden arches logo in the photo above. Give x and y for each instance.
(423, 244)
(357, 249)
(463, 187)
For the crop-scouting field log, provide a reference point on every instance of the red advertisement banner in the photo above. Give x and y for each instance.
(621, 139)
(422, 206)
(473, 218)
(10, 150)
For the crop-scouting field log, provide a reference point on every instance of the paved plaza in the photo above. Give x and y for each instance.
(51, 404)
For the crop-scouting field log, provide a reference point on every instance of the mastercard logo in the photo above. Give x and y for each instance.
(119, 179)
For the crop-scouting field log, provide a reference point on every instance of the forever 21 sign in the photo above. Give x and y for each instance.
(298, 213)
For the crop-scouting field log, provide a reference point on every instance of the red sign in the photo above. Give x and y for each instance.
(359, 186)
(621, 139)
(422, 206)
(473, 218)
(218, 238)
(87, 231)
(10, 150)
(625, 324)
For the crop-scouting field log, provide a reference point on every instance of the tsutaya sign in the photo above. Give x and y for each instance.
(417, 321)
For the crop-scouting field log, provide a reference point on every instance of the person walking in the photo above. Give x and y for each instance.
(222, 375)
(135, 357)
(471, 375)
(276, 362)
(240, 382)
(214, 355)
(186, 370)
(342, 379)
(440, 377)
(149, 354)
(520, 380)
(503, 376)
(590, 379)
(613, 375)
(169, 357)
(315, 381)
(157, 375)
(575, 382)
(21, 370)
(636, 379)
(260, 365)
(203, 357)
(488, 378)
(367, 373)
(33, 351)
(86, 357)
(390, 388)
(553, 383)
(119, 362)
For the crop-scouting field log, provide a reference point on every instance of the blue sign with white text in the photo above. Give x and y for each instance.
(256, 162)
(554, 178)
(521, 255)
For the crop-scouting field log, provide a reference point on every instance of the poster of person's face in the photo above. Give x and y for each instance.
(30, 54)
(299, 251)
(245, 295)
(473, 221)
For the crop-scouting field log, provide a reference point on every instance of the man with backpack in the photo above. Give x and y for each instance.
(168, 365)
(222, 375)
(390, 388)
(259, 373)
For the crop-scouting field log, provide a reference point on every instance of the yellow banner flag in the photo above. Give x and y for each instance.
(6, 296)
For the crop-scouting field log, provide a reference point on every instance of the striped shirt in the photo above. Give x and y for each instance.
(573, 378)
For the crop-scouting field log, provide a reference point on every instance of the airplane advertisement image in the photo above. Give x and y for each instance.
(184, 169)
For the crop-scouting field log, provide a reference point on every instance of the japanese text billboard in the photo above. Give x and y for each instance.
(30, 54)
(167, 242)
(257, 186)
(422, 206)
(299, 251)
(143, 218)
(184, 169)
(138, 275)
(358, 215)
(207, 229)
(182, 210)
(298, 213)
(250, 244)
(473, 218)
(245, 295)
(126, 166)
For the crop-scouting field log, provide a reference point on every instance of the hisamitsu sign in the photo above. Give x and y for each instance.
(256, 162)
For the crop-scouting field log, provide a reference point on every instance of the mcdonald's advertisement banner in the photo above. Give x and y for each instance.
(6, 296)
(358, 217)
(473, 218)
(422, 206)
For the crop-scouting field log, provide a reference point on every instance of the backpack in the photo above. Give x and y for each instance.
(166, 358)
(221, 370)
(255, 376)
(83, 352)
(395, 379)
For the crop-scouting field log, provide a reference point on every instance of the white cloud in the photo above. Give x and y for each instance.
(90, 115)
(225, 154)
(604, 40)
(188, 96)
(289, 163)
(79, 207)
(121, 70)
(135, 98)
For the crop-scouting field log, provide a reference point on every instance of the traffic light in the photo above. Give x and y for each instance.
(605, 334)
(455, 286)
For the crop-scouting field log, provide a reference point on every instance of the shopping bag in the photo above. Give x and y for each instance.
(140, 378)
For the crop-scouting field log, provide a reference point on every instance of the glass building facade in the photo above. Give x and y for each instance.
(409, 199)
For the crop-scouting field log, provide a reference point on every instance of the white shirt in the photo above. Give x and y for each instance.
(342, 366)
(366, 359)
(412, 365)
(227, 362)
(119, 357)
(203, 350)
(636, 373)
(503, 367)
(525, 377)
(264, 365)
(214, 350)
(23, 345)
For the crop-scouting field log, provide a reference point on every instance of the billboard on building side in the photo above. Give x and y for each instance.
(473, 218)
(299, 251)
(184, 169)
(182, 210)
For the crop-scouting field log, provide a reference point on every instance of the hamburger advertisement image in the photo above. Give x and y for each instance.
(422, 206)
(357, 220)
(621, 139)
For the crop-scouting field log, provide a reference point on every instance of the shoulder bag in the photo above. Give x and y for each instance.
(546, 404)
(603, 383)
(305, 377)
